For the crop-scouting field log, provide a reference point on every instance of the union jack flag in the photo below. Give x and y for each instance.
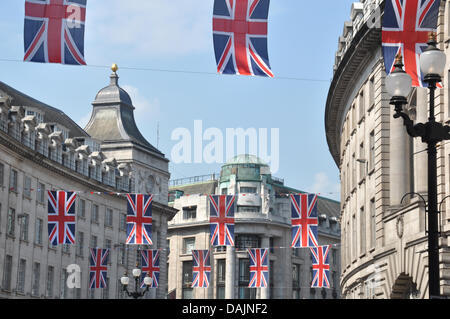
(259, 267)
(222, 219)
(61, 217)
(98, 268)
(405, 30)
(54, 31)
(304, 220)
(139, 219)
(240, 37)
(201, 269)
(150, 266)
(320, 267)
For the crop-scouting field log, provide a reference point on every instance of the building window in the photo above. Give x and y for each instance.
(41, 193)
(27, 186)
(36, 279)
(122, 255)
(247, 241)
(372, 151)
(64, 288)
(13, 181)
(224, 191)
(221, 273)
(50, 277)
(2, 174)
(363, 163)
(6, 284)
(190, 212)
(21, 276)
(244, 278)
(94, 217)
(248, 209)
(123, 222)
(362, 231)
(362, 106)
(105, 291)
(187, 280)
(11, 222)
(354, 238)
(82, 208)
(24, 227)
(354, 162)
(372, 223)
(296, 281)
(248, 190)
(93, 243)
(109, 217)
(188, 245)
(371, 92)
(80, 244)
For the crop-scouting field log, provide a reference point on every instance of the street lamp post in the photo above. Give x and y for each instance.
(398, 86)
(137, 275)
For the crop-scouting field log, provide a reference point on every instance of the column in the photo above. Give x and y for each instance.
(398, 168)
(421, 159)
(230, 273)
(265, 292)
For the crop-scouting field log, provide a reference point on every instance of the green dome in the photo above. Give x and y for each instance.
(246, 159)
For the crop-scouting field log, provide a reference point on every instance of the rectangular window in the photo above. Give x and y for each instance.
(247, 241)
(372, 151)
(36, 279)
(224, 191)
(362, 106)
(190, 212)
(41, 193)
(363, 162)
(354, 162)
(80, 244)
(248, 209)
(50, 275)
(27, 186)
(24, 218)
(38, 231)
(372, 223)
(123, 222)
(244, 277)
(105, 291)
(11, 222)
(93, 243)
(248, 190)
(188, 245)
(64, 288)
(94, 213)
(21, 276)
(362, 230)
(371, 92)
(122, 254)
(13, 181)
(6, 284)
(187, 273)
(109, 217)
(354, 238)
(82, 208)
(2, 174)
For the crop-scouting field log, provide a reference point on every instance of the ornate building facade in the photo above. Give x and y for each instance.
(42, 149)
(262, 220)
(384, 240)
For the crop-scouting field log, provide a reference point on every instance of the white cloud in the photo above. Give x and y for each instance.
(155, 28)
(322, 185)
(143, 107)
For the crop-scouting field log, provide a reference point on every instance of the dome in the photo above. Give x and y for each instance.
(246, 159)
(113, 93)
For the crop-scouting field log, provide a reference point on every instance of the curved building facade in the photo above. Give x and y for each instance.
(262, 220)
(384, 240)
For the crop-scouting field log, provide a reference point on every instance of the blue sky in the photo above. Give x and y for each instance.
(177, 35)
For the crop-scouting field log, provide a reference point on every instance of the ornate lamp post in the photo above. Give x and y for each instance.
(137, 275)
(398, 86)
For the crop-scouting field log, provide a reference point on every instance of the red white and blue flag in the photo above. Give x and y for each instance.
(139, 219)
(150, 267)
(304, 220)
(240, 37)
(405, 30)
(61, 217)
(54, 31)
(201, 269)
(259, 267)
(98, 268)
(222, 219)
(321, 267)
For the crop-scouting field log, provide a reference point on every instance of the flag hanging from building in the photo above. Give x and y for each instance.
(304, 220)
(320, 267)
(222, 219)
(139, 219)
(240, 37)
(150, 267)
(54, 31)
(61, 217)
(201, 269)
(259, 267)
(98, 268)
(405, 29)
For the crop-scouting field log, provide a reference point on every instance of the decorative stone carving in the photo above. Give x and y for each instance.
(400, 226)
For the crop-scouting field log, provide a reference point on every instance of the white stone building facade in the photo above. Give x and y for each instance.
(262, 220)
(42, 149)
(384, 240)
